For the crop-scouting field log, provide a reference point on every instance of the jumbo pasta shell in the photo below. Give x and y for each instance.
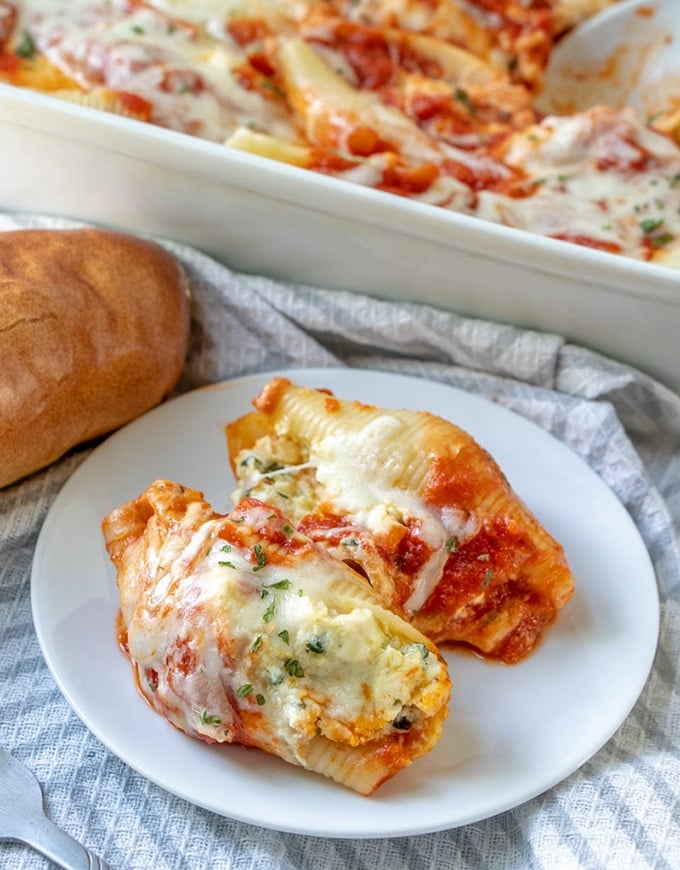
(242, 630)
(413, 502)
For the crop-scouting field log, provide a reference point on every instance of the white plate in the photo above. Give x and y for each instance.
(512, 733)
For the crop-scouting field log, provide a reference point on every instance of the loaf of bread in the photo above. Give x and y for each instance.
(94, 330)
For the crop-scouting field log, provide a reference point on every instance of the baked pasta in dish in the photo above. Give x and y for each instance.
(416, 505)
(241, 630)
(433, 100)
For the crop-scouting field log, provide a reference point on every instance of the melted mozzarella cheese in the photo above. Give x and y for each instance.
(601, 178)
(352, 473)
(190, 81)
(314, 662)
(604, 176)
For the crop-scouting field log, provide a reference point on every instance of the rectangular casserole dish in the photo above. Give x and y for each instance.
(259, 216)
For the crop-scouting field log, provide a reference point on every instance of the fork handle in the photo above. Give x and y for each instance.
(61, 848)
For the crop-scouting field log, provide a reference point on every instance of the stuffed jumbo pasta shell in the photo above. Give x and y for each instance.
(416, 505)
(242, 630)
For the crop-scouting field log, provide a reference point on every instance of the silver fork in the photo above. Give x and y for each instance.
(22, 818)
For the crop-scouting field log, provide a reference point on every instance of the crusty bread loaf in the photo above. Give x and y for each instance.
(93, 332)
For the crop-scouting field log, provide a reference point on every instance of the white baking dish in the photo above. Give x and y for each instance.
(260, 216)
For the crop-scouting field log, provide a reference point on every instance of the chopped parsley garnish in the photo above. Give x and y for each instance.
(273, 466)
(452, 544)
(268, 615)
(424, 651)
(483, 557)
(650, 224)
(244, 690)
(257, 643)
(293, 668)
(316, 645)
(206, 719)
(287, 530)
(661, 239)
(278, 584)
(349, 542)
(26, 47)
(260, 698)
(464, 99)
(225, 564)
(260, 556)
(488, 577)
(285, 637)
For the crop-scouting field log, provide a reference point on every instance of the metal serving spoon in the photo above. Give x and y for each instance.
(22, 818)
(627, 55)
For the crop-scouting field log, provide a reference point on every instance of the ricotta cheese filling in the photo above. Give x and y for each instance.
(312, 662)
(349, 474)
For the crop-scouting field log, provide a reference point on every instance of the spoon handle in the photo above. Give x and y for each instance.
(61, 848)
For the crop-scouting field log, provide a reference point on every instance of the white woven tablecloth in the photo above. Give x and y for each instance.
(621, 809)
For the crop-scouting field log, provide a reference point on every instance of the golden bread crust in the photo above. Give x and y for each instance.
(93, 332)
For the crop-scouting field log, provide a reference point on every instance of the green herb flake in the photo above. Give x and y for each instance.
(483, 557)
(424, 651)
(661, 240)
(464, 99)
(278, 584)
(206, 719)
(225, 564)
(316, 645)
(260, 698)
(650, 224)
(26, 47)
(244, 690)
(452, 544)
(268, 615)
(293, 668)
(273, 466)
(260, 556)
(488, 577)
(285, 637)
(287, 530)
(257, 643)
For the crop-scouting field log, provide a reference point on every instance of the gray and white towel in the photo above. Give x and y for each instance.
(621, 809)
